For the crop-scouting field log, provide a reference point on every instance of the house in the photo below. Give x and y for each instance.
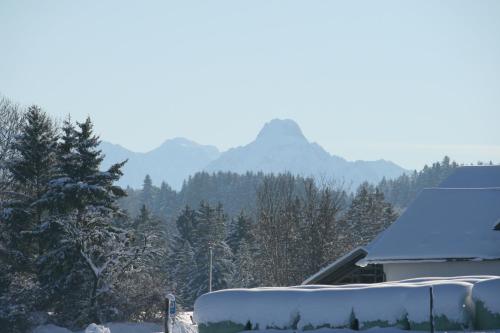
(450, 230)
(445, 232)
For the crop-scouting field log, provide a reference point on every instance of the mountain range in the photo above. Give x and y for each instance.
(280, 146)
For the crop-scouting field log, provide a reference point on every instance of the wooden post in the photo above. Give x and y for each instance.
(167, 314)
(431, 316)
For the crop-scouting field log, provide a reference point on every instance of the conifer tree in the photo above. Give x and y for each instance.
(147, 192)
(210, 233)
(240, 230)
(245, 275)
(83, 246)
(167, 200)
(30, 166)
(182, 257)
(184, 269)
(367, 216)
(31, 169)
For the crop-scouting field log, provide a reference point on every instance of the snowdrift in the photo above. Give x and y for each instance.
(451, 303)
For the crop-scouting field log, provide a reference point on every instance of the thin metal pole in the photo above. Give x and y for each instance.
(210, 270)
(432, 310)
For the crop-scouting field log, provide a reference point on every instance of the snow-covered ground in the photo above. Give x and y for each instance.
(182, 324)
(106, 328)
(372, 330)
(185, 327)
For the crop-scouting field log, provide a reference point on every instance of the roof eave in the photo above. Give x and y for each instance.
(367, 261)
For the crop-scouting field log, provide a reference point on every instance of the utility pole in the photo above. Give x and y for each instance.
(210, 268)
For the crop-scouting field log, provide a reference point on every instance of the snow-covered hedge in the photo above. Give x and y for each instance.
(486, 297)
(405, 305)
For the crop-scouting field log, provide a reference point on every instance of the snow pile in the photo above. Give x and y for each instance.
(452, 305)
(94, 328)
(133, 327)
(265, 308)
(307, 309)
(51, 329)
(458, 303)
(107, 328)
(184, 324)
(486, 297)
(354, 307)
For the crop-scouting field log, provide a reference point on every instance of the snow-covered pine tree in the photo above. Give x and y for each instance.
(223, 267)
(84, 249)
(183, 272)
(244, 266)
(241, 241)
(150, 236)
(166, 201)
(181, 259)
(140, 287)
(30, 167)
(240, 229)
(210, 232)
(367, 216)
(147, 192)
(187, 224)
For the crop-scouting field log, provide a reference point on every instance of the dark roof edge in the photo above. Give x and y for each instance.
(357, 252)
(364, 261)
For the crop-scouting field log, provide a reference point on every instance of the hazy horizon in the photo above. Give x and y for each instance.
(407, 81)
(438, 159)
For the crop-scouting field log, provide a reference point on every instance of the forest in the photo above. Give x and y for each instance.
(76, 249)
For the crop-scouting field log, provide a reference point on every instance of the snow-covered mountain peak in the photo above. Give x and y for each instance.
(280, 146)
(280, 130)
(179, 141)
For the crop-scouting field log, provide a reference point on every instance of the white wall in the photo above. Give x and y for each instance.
(402, 271)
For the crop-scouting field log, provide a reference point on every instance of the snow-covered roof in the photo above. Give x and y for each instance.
(442, 224)
(473, 177)
(348, 259)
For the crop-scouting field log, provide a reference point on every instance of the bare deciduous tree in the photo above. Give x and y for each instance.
(10, 123)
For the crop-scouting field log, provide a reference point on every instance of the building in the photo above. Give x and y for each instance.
(450, 230)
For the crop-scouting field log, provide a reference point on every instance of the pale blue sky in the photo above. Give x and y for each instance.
(407, 81)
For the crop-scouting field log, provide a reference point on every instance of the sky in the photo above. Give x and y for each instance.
(406, 81)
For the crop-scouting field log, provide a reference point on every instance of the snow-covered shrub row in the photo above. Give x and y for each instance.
(406, 306)
(452, 305)
(486, 297)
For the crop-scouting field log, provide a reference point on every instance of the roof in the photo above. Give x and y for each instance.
(338, 268)
(442, 224)
(473, 177)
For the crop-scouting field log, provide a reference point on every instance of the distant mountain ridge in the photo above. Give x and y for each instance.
(280, 146)
(171, 162)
